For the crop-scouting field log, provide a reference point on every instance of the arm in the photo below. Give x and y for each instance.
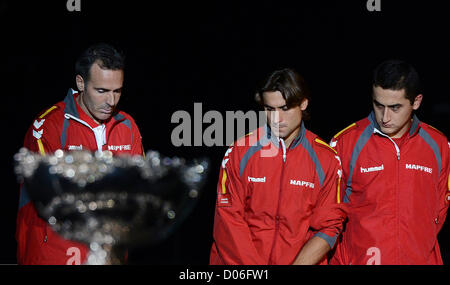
(36, 242)
(312, 252)
(136, 148)
(328, 215)
(232, 236)
(444, 187)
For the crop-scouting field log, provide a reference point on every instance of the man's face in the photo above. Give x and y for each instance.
(393, 111)
(284, 122)
(101, 93)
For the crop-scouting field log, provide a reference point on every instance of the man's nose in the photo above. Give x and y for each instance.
(110, 100)
(277, 117)
(386, 115)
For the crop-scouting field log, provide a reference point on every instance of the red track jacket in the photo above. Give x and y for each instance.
(66, 126)
(271, 201)
(397, 195)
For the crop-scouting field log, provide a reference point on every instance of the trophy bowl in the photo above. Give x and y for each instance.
(111, 202)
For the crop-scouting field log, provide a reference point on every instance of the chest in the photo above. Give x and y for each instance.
(278, 186)
(117, 139)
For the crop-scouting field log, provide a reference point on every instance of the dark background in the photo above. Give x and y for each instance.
(216, 53)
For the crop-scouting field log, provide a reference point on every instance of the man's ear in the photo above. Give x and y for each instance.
(304, 104)
(80, 83)
(417, 101)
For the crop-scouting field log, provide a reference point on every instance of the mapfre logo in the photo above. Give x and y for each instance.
(119, 147)
(302, 183)
(419, 168)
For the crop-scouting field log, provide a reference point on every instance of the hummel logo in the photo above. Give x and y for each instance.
(37, 124)
(257, 179)
(372, 169)
(75, 147)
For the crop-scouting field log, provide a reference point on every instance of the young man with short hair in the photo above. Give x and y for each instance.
(278, 195)
(396, 170)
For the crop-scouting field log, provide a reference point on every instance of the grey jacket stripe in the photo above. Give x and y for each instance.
(300, 136)
(362, 140)
(23, 198)
(414, 125)
(70, 108)
(305, 143)
(433, 145)
(330, 240)
(126, 122)
(250, 152)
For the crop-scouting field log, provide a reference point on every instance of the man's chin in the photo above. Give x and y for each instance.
(101, 117)
(389, 131)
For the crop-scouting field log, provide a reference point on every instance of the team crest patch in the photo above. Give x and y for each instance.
(224, 200)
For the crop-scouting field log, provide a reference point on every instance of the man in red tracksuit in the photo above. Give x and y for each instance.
(278, 195)
(396, 170)
(85, 120)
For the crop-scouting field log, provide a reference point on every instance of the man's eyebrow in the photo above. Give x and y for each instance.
(389, 106)
(100, 88)
(281, 107)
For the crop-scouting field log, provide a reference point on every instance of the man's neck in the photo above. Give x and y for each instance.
(290, 138)
(402, 131)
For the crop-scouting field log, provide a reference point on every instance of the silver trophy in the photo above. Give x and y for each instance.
(111, 202)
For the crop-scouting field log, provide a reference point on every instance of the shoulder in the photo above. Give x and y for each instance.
(54, 112)
(350, 133)
(318, 144)
(439, 137)
(352, 129)
(322, 149)
(46, 126)
(124, 118)
(49, 118)
(433, 131)
(121, 115)
(246, 146)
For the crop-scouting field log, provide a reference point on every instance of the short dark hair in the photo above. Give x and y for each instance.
(398, 75)
(105, 55)
(290, 84)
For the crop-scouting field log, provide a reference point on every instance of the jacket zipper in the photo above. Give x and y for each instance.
(277, 217)
(397, 200)
(398, 207)
(45, 234)
(100, 138)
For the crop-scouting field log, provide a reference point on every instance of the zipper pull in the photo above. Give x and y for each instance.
(283, 147)
(398, 155)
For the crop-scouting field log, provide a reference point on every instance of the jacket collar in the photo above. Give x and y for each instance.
(71, 110)
(415, 125)
(270, 137)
